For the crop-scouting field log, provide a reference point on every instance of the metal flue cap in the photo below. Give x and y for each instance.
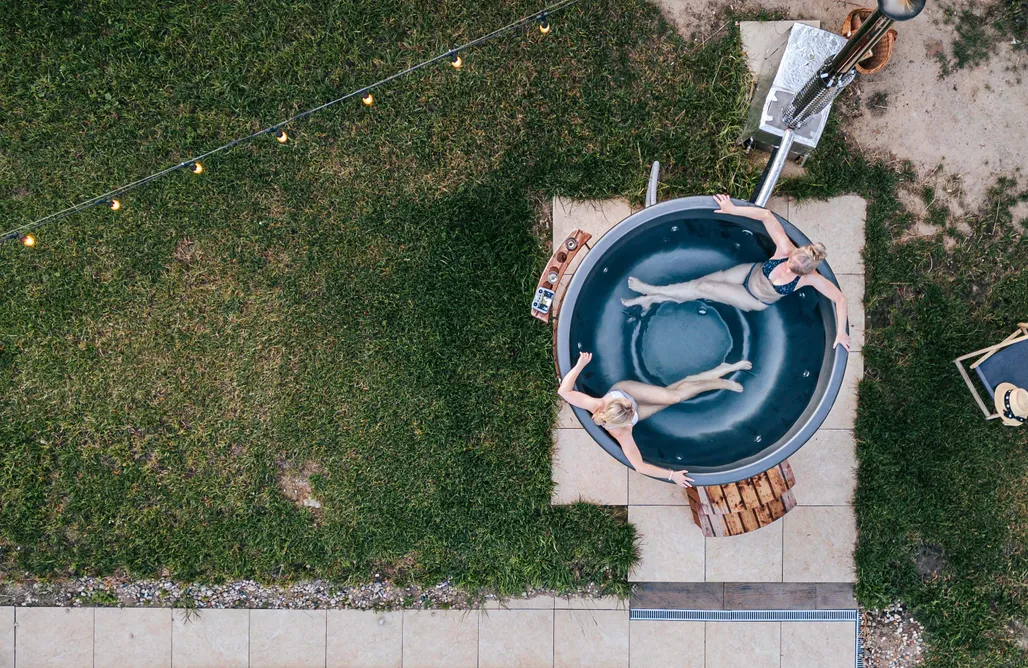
(901, 10)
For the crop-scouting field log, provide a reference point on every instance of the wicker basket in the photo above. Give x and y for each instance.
(882, 51)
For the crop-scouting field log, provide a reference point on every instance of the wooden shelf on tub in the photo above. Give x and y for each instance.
(545, 302)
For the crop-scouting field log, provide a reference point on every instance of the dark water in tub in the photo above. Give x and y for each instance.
(785, 343)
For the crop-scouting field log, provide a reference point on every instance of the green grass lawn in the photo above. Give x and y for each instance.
(937, 483)
(352, 306)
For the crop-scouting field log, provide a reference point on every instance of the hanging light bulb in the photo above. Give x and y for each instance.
(455, 60)
(113, 204)
(29, 240)
(544, 24)
(281, 136)
(368, 100)
(196, 167)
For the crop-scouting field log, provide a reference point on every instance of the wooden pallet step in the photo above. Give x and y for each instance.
(763, 487)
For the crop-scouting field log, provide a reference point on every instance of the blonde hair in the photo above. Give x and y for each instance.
(806, 258)
(617, 413)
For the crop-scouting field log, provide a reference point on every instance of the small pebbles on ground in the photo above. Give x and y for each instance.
(891, 638)
(121, 592)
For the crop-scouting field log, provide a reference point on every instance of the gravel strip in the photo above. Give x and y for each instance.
(892, 638)
(114, 592)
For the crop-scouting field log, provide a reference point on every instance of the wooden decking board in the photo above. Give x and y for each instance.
(736, 508)
(763, 487)
(763, 515)
(836, 596)
(717, 499)
(778, 483)
(770, 596)
(743, 596)
(679, 596)
(786, 469)
(748, 494)
(732, 498)
(733, 524)
(749, 521)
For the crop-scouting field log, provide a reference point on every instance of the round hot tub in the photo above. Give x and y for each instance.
(719, 436)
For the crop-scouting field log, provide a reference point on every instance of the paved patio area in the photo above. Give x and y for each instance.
(539, 632)
(814, 542)
(809, 551)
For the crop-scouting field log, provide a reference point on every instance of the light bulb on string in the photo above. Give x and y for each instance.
(29, 240)
(368, 100)
(544, 24)
(196, 167)
(456, 60)
(113, 204)
(281, 136)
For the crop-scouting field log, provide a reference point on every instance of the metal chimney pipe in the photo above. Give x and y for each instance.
(825, 85)
(840, 70)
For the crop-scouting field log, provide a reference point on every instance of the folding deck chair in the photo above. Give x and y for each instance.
(1005, 362)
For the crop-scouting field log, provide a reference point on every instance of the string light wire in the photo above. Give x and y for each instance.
(365, 92)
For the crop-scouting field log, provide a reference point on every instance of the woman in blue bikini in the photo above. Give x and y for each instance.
(754, 287)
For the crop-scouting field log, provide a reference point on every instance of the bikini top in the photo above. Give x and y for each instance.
(786, 289)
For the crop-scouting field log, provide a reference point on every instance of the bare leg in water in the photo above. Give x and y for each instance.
(725, 287)
(653, 399)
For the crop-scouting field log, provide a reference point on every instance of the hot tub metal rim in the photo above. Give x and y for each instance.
(778, 451)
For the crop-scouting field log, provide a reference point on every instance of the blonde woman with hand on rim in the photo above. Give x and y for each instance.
(629, 401)
(755, 286)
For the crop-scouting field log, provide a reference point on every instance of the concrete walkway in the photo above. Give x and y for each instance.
(539, 632)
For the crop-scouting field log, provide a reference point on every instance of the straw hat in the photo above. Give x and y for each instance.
(1011, 404)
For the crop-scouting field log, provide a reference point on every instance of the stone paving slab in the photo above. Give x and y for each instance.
(752, 557)
(583, 471)
(589, 603)
(593, 216)
(210, 639)
(838, 223)
(54, 637)
(137, 637)
(515, 639)
(594, 638)
(7, 637)
(532, 603)
(743, 644)
(819, 543)
(818, 644)
(645, 491)
(844, 412)
(566, 418)
(671, 545)
(658, 644)
(364, 639)
(433, 638)
(826, 469)
(852, 285)
(287, 638)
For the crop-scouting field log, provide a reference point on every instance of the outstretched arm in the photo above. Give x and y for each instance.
(567, 387)
(783, 244)
(631, 450)
(828, 289)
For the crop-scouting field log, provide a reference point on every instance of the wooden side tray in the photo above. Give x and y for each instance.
(545, 298)
(739, 507)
